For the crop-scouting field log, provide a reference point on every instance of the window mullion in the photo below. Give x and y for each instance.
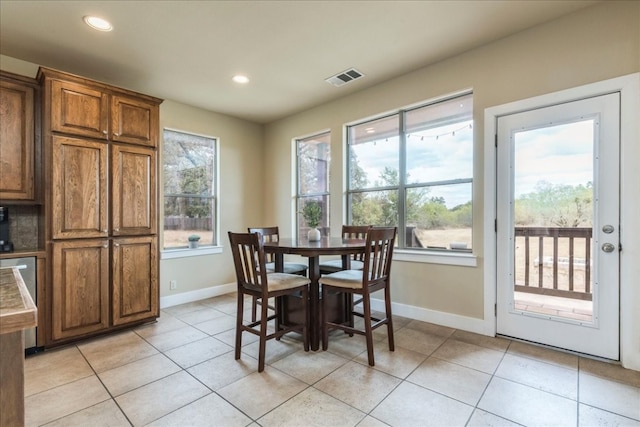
(401, 181)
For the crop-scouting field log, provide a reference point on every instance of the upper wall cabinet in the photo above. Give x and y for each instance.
(17, 138)
(90, 109)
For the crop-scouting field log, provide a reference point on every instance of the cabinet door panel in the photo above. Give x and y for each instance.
(79, 188)
(135, 279)
(16, 141)
(79, 110)
(134, 121)
(133, 198)
(80, 298)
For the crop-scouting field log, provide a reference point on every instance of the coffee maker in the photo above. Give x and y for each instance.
(5, 244)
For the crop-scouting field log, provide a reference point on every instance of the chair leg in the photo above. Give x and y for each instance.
(305, 327)
(239, 319)
(387, 303)
(367, 328)
(323, 319)
(254, 309)
(263, 337)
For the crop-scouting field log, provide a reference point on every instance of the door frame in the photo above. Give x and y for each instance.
(629, 88)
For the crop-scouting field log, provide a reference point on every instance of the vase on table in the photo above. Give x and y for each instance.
(314, 235)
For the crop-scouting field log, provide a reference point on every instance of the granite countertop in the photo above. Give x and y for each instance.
(17, 310)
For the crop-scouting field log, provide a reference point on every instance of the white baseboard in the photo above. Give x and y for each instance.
(197, 295)
(469, 324)
(456, 321)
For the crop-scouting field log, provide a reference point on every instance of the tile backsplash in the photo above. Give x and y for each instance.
(23, 226)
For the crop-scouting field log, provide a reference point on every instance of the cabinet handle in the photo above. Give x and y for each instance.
(106, 246)
(104, 132)
(116, 230)
(104, 231)
(117, 245)
(116, 134)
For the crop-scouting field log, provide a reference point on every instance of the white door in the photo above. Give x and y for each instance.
(558, 225)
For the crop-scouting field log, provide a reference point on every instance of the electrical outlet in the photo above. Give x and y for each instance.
(173, 285)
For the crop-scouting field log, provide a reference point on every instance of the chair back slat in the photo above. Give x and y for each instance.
(249, 260)
(269, 234)
(355, 232)
(378, 255)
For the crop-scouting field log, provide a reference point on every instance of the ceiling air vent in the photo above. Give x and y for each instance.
(344, 77)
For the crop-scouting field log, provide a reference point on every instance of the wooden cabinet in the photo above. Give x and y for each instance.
(101, 157)
(17, 138)
(92, 111)
(134, 121)
(135, 279)
(133, 190)
(79, 188)
(80, 299)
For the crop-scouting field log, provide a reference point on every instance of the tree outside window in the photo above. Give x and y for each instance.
(189, 188)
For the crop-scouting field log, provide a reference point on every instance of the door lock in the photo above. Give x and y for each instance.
(608, 229)
(608, 247)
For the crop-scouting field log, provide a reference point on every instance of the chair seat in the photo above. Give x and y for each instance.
(289, 267)
(336, 264)
(351, 279)
(280, 281)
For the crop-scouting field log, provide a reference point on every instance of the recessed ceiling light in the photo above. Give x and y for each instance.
(240, 79)
(98, 23)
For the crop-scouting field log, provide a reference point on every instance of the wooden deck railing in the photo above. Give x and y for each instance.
(556, 274)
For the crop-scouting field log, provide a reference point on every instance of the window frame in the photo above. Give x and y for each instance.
(312, 195)
(402, 252)
(214, 247)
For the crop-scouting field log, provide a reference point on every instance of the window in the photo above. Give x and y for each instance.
(314, 158)
(414, 169)
(189, 189)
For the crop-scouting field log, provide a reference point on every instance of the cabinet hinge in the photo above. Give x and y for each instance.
(496, 140)
(495, 225)
(495, 310)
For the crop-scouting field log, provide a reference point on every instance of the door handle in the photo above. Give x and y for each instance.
(608, 247)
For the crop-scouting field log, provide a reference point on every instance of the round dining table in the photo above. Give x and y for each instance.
(313, 250)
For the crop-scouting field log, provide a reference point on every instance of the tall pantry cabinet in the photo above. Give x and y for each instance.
(100, 148)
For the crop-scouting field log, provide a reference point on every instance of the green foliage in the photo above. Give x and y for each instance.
(312, 213)
(193, 238)
(560, 205)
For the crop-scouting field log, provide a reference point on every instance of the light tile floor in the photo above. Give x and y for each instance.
(181, 371)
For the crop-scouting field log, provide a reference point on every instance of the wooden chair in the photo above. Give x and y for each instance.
(348, 232)
(373, 277)
(251, 272)
(272, 234)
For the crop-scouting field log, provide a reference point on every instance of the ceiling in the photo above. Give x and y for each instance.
(187, 51)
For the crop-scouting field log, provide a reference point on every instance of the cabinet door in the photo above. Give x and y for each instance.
(133, 190)
(80, 297)
(79, 188)
(16, 141)
(135, 279)
(134, 121)
(79, 110)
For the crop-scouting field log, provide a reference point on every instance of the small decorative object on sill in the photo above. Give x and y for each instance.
(312, 214)
(194, 241)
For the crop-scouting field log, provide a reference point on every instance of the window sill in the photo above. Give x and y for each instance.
(186, 252)
(448, 258)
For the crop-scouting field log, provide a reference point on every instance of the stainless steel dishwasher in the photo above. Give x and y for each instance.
(27, 267)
